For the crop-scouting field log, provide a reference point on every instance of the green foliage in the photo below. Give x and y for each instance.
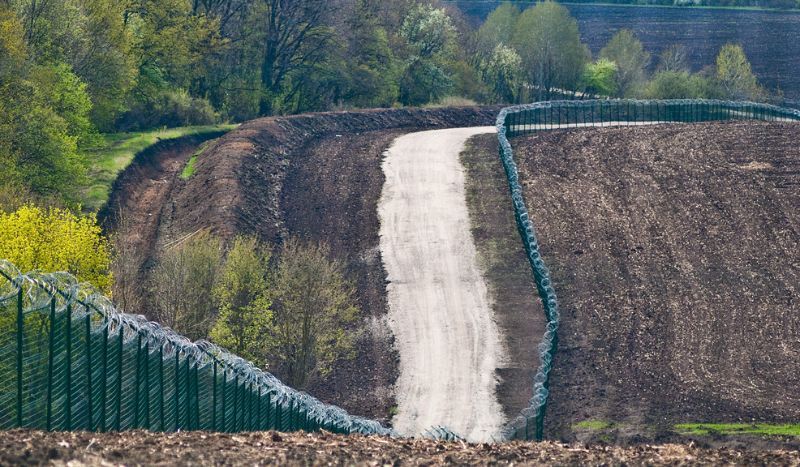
(600, 78)
(678, 85)
(627, 52)
(734, 75)
(547, 39)
(498, 28)
(91, 38)
(188, 170)
(503, 70)
(430, 37)
(183, 281)
(168, 108)
(56, 240)
(763, 429)
(313, 304)
(594, 425)
(428, 30)
(43, 116)
(115, 151)
(242, 296)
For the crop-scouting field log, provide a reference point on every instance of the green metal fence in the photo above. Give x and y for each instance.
(70, 361)
(525, 119)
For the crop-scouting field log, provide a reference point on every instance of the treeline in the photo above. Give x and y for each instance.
(291, 312)
(72, 68)
(775, 4)
(537, 54)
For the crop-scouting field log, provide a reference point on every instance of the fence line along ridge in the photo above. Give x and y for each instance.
(69, 360)
(539, 116)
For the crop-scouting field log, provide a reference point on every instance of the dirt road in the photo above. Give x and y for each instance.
(439, 308)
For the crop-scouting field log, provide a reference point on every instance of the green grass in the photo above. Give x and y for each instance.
(116, 151)
(738, 429)
(188, 171)
(595, 425)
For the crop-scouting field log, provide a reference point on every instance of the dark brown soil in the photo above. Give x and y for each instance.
(270, 448)
(675, 253)
(506, 270)
(138, 204)
(316, 176)
(331, 195)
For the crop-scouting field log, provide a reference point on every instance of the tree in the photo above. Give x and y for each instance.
(430, 36)
(91, 38)
(734, 75)
(242, 296)
(295, 37)
(674, 58)
(503, 72)
(678, 85)
(43, 116)
(55, 239)
(627, 52)
(182, 286)
(600, 78)
(498, 28)
(374, 69)
(548, 41)
(313, 305)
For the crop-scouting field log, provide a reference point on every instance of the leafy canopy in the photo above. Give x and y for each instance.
(56, 240)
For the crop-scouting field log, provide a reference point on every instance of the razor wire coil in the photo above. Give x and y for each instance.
(70, 360)
(547, 115)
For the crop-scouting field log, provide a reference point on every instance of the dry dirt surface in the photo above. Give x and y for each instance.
(675, 253)
(505, 267)
(138, 206)
(271, 448)
(439, 308)
(314, 176)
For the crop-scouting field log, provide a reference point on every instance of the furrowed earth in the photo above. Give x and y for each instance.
(675, 253)
(21, 447)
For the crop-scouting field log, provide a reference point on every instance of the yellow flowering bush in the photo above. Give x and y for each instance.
(56, 240)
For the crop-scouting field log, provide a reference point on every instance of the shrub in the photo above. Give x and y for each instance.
(56, 240)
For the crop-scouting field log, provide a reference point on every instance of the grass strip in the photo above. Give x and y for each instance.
(116, 150)
(764, 429)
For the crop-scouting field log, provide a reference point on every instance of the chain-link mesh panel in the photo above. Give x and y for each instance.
(525, 119)
(69, 360)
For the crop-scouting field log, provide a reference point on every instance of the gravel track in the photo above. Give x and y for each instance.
(439, 308)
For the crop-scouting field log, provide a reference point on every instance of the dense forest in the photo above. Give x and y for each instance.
(72, 68)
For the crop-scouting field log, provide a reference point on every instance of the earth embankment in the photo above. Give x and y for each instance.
(317, 177)
(675, 253)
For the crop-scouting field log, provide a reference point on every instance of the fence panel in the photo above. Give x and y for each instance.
(69, 360)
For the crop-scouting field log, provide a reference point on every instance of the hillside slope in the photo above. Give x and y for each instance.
(675, 251)
(317, 177)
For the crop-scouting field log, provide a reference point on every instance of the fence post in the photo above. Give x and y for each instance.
(88, 328)
(20, 325)
(104, 377)
(68, 364)
(137, 398)
(175, 398)
(214, 398)
(147, 384)
(224, 383)
(119, 377)
(50, 352)
(162, 425)
(187, 389)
